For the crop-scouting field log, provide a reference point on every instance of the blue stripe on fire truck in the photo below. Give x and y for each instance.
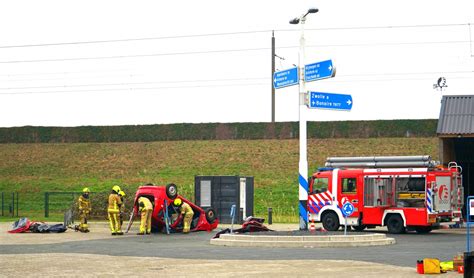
(428, 199)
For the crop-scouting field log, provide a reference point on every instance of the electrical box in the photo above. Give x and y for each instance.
(221, 192)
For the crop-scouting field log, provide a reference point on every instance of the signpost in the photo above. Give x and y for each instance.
(319, 70)
(347, 210)
(285, 78)
(329, 101)
(232, 214)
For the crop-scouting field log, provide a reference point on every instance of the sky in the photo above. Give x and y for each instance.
(75, 63)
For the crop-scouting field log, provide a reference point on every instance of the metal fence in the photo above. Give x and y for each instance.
(10, 204)
(58, 203)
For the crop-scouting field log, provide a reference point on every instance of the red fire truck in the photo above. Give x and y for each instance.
(402, 193)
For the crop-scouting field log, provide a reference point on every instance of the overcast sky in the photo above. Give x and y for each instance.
(210, 61)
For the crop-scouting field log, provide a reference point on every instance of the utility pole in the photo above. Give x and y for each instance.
(303, 161)
(273, 72)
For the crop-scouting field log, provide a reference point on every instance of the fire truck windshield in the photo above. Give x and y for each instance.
(320, 185)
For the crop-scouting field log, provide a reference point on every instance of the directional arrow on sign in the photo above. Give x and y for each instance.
(285, 78)
(330, 101)
(320, 70)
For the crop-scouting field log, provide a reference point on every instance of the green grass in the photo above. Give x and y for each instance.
(32, 169)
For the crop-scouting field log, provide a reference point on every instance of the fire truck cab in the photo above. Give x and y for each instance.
(401, 193)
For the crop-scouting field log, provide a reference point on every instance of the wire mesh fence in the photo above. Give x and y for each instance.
(52, 206)
(58, 203)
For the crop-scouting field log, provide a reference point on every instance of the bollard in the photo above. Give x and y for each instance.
(241, 215)
(270, 220)
(232, 215)
(13, 204)
(46, 204)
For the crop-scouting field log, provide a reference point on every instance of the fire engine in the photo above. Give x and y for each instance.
(399, 192)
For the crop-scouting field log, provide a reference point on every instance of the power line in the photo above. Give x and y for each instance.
(135, 56)
(63, 72)
(232, 33)
(134, 89)
(229, 79)
(220, 51)
(136, 39)
(132, 83)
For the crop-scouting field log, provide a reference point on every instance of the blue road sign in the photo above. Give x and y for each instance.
(347, 209)
(285, 78)
(330, 101)
(320, 70)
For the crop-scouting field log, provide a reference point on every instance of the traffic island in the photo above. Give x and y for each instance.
(276, 239)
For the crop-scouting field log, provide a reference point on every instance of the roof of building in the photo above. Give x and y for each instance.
(456, 117)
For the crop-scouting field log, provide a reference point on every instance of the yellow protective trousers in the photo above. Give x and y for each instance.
(114, 222)
(187, 222)
(145, 221)
(83, 215)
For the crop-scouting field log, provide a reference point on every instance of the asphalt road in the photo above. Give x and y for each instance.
(442, 244)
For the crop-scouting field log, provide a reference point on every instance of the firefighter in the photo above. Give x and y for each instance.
(113, 211)
(84, 210)
(146, 209)
(122, 206)
(185, 210)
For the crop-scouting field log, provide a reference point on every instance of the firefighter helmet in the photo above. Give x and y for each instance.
(121, 193)
(177, 202)
(86, 190)
(116, 189)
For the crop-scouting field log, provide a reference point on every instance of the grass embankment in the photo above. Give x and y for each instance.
(32, 169)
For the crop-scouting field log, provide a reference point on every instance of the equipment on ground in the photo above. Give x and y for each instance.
(399, 192)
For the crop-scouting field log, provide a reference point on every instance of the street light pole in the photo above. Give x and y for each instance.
(303, 160)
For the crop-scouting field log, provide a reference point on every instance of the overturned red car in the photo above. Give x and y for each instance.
(162, 199)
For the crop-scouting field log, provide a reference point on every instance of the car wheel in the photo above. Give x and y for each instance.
(210, 215)
(171, 191)
(331, 221)
(395, 224)
(423, 229)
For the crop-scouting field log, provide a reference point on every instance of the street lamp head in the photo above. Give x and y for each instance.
(313, 11)
(295, 21)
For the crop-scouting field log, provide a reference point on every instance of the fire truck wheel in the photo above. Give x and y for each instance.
(395, 224)
(423, 229)
(330, 221)
(171, 191)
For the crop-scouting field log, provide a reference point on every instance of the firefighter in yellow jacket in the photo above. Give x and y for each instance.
(146, 209)
(84, 210)
(188, 213)
(113, 211)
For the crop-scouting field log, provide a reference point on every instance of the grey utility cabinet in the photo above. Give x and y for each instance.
(221, 192)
